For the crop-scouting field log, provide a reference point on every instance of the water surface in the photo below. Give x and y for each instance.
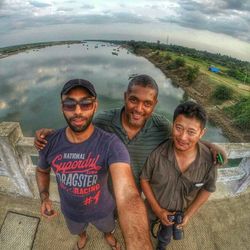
(31, 82)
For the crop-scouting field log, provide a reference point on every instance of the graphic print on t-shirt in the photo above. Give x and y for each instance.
(77, 174)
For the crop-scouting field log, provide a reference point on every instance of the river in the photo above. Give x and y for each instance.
(31, 82)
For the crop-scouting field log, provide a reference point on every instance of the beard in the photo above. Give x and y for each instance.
(78, 129)
(135, 123)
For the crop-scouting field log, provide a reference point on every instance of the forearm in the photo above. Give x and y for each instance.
(134, 222)
(43, 180)
(197, 203)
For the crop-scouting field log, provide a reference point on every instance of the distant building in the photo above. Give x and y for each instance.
(214, 69)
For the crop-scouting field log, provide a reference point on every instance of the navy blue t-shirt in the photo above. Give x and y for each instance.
(81, 171)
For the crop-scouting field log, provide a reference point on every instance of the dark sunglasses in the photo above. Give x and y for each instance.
(70, 105)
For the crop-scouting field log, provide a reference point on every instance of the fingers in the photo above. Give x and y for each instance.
(47, 211)
(39, 144)
(165, 218)
(40, 141)
(50, 214)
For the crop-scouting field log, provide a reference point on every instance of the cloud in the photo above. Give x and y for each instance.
(39, 4)
(230, 17)
(220, 16)
(87, 6)
(237, 4)
(65, 9)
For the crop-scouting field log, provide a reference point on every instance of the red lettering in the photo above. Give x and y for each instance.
(83, 191)
(89, 164)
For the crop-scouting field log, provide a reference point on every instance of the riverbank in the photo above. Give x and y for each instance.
(13, 50)
(200, 90)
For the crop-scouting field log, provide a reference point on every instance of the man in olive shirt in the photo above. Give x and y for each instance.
(179, 175)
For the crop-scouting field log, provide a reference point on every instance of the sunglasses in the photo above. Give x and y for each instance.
(70, 105)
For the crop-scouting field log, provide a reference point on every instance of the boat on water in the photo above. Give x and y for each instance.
(114, 53)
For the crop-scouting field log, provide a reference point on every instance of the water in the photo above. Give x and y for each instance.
(31, 82)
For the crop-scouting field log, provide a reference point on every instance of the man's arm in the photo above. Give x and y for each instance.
(43, 180)
(201, 198)
(216, 151)
(160, 212)
(40, 137)
(131, 209)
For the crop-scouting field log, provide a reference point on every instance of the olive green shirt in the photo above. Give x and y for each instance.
(173, 189)
(156, 129)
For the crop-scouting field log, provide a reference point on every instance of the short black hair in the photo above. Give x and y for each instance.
(191, 109)
(144, 81)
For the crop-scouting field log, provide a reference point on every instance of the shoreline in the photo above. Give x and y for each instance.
(199, 91)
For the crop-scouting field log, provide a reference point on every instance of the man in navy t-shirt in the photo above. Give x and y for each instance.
(81, 157)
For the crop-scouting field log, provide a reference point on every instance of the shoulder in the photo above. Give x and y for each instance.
(53, 140)
(160, 120)
(104, 135)
(162, 149)
(205, 154)
(106, 115)
(58, 133)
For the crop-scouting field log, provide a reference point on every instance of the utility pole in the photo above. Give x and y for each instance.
(167, 39)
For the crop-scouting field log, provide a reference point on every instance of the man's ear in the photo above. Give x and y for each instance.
(96, 105)
(203, 132)
(156, 101)
(61, 106)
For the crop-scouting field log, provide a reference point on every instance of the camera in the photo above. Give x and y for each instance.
(177, 218)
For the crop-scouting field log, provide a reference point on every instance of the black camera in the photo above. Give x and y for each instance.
(177, 218)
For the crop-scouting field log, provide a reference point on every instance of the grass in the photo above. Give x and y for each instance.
(240, 90)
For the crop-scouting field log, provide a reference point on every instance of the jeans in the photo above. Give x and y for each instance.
(165, 234)
(164, 237)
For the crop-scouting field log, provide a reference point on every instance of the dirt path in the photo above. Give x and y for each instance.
(201, 91)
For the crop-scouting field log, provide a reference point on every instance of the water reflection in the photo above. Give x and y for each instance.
(31, 83)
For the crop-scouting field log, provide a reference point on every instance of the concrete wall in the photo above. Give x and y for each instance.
(17, 172)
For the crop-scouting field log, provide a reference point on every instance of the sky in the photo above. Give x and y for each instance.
(220, 26)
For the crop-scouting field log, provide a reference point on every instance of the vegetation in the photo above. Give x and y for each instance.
(240, 113)
(193, 73)
(222, 93)
(231, 67)
(23, 47)
(176, 64)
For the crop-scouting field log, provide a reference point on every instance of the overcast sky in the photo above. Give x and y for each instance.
(214, 25)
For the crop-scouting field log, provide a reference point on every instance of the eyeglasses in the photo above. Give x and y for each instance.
(70, 105)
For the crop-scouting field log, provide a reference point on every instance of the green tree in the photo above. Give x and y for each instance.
(179, 62)
(193, 73)
(223, 93)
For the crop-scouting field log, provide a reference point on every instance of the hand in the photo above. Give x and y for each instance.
(184, 222)
(216, 150)
(39, 141)
(46, 209)
(163, 216)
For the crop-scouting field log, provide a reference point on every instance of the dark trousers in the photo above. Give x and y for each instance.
(164, 237)
(165, 234)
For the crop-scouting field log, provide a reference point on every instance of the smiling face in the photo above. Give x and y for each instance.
(186, 133)
(139, 104)
(80, 117)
